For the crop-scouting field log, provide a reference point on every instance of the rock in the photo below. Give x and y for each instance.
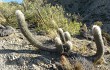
(44, 60)
(35, 67)
(6, 31)
(1, 26)
(54, 67)
(21, 61)
(107, 50)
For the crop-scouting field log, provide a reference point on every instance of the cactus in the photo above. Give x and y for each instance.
(61, 34)
(64, 40)
(67, 36)
(99, 43)
(58, 44)
(76, 61)
(63, 44)
(24, 29)
(68, 46)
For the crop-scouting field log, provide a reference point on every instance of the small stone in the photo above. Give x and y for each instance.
(21, 61)
(35, 67)
(54, 66)
(6, 31)
(1, 26)
(44, 60)
(46, 65)
(38, 62)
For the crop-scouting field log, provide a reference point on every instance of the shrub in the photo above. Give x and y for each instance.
(8, 13)
(45, 16)
(48, 17)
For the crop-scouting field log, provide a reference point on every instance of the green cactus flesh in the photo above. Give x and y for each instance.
(24, 29)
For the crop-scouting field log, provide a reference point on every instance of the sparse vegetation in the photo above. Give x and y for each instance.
(44, 16)
(7, 11)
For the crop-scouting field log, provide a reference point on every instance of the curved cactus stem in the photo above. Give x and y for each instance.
(67, 36)
(61, 34)
(59, 45)
(99, 43)
(68, 46)
(28, 34)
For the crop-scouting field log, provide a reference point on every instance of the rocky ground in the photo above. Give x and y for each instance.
(16, 53)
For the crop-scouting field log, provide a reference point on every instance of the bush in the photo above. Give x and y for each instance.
(48, 17)
(8, 13)
(45, 16)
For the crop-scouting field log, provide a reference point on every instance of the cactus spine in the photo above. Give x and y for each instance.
(99, 42)
(59, 45)
(24, 29)
(61, 34)
(64, 40)
(67, 36)
(68, 46)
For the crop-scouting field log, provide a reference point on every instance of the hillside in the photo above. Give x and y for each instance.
(55, 35)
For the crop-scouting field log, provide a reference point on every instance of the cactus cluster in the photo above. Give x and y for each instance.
(63, 42)
(30, 37)
(75, 61)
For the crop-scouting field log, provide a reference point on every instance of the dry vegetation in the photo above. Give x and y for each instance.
(47, 18)
(44, 16)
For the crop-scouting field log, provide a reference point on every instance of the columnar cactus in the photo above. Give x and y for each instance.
(63, 42)
(58, 44)
(99, 42)
(61, 34)
(67, 36)
(68, 46)
(24, 29)
(75, 61)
